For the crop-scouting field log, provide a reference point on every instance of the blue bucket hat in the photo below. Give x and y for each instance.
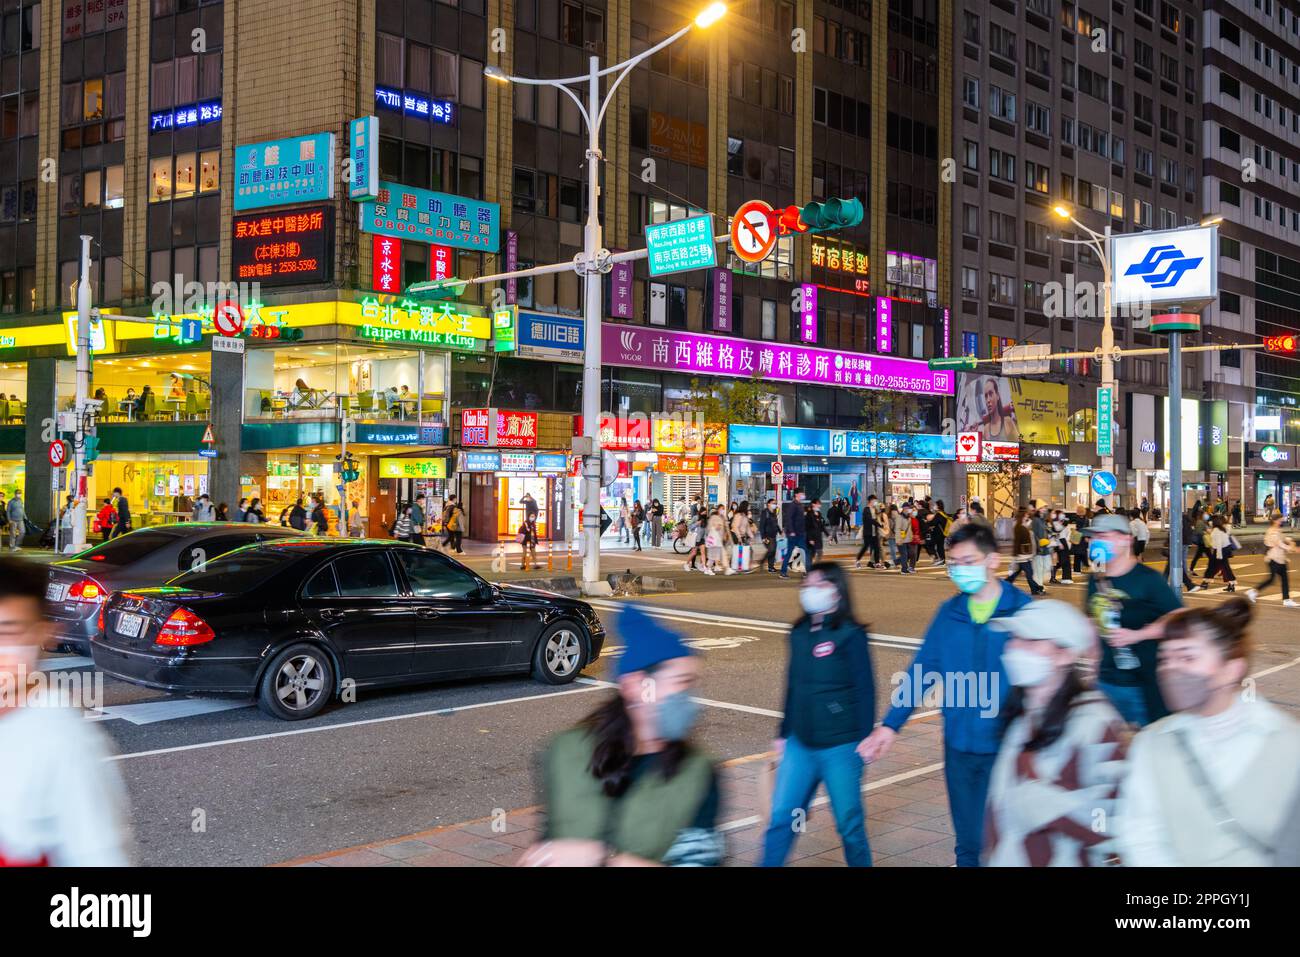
(646, 642)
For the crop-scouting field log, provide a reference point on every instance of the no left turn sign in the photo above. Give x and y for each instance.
(228, 318)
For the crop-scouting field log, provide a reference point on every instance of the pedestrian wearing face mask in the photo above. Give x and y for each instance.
(1062, 756)
(828, 714)
(626, 787)
(795, 524)
(815, 525)
(769, 529)
(1215, 784)
(1128, 601)
(1060, 532)
(903, 536)
(962, 655)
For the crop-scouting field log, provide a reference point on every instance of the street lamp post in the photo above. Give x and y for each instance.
(1099, 242)
(594, 260)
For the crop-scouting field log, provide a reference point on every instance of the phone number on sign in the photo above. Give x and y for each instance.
(902, 383)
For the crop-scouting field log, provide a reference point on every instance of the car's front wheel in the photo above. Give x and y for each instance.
(561, 653)
(297, 684)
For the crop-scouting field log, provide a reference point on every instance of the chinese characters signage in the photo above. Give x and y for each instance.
(281, 172)
(363, 150)
(284, 248)
(514, 430)
(410, 213)
(690, 352)
(808, 312)
(386, 271)
(441, 262)
(543, 336)
(620, 291)
(884, 324)
(722, 300)
(412, 468)
(443, 324)
(681, 244)
(413, 104)
(183, 116)
(840, 265)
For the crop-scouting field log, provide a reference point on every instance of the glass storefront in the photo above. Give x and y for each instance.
(159, 489)
(13, 476)
(371, 383)
(291, 476)
(151, 387)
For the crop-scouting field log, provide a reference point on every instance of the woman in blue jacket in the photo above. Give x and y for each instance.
(830, 708)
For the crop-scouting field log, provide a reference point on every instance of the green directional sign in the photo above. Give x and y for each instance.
(504, 325)
(681, 244)
(1105, 421)
(437, 289)
(970, 363)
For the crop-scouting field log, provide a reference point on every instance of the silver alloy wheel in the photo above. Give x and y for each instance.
(563, 652)
(302, 679)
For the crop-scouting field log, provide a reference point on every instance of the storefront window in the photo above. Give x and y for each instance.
(13, 391)
(154, 387)
(292, 477)
(371, 383)
(159, 489)
(13, 476)
(1083, 426)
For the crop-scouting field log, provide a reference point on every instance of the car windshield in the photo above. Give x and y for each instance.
(238, 571)
(128, 548)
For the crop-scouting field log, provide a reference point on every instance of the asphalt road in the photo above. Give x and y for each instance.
(217, 782)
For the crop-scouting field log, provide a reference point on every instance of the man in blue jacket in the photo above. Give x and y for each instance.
(963, 656)
(795, 523)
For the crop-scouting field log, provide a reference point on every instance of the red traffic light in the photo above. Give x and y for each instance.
(1286, 343)
(789, 220)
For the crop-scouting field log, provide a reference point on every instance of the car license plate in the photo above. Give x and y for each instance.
(130, 625)
(56, 591)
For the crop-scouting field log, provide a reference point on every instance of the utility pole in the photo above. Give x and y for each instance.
(78, 537)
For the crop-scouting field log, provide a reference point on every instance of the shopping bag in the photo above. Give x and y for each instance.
(744, 555)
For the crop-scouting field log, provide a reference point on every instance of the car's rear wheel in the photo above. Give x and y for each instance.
(560, 655)
(297, 684)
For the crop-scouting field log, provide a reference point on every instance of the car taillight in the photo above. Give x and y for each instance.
(183, 628)
(99, 624)
(88, 590)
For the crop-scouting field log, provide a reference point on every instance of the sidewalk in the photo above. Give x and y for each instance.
(907, 820)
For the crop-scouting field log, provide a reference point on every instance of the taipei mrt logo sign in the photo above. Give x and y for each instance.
(1170, 266)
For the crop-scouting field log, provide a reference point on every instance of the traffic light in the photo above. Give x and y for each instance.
(90, 448)
(283, 333)
(831, 215)
(1283, 343)
(967, 363)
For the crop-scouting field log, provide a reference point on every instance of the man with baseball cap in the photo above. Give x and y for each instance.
(1062, 755)
(1128, 601)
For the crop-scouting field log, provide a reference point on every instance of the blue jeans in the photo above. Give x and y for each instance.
(1128, 700)
(791, 543)
(802, 769)
(893, 549)
(967, 777)
(905, 562)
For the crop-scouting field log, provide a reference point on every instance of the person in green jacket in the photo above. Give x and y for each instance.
(626, 788)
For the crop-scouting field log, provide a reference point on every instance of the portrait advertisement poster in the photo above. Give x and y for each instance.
(1013, 409)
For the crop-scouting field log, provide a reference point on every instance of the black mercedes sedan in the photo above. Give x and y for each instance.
(296, 622)
(79, 586)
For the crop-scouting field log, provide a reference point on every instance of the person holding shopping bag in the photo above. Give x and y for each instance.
(829, 711)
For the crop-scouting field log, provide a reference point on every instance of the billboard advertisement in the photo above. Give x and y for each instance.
(1010, 409)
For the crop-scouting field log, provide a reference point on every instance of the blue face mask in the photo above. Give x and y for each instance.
(677, 715)
(968, 578)
(1101, 551)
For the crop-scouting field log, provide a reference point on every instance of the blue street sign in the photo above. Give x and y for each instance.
(1104, 483)
(208, 453)
(191, 330)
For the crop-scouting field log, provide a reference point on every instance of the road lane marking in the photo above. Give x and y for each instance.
(695, 617)
(65, 661)
(166, 709)
(437, 712)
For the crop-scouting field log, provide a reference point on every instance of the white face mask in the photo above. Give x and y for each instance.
(1025, 669)
(819, 600)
